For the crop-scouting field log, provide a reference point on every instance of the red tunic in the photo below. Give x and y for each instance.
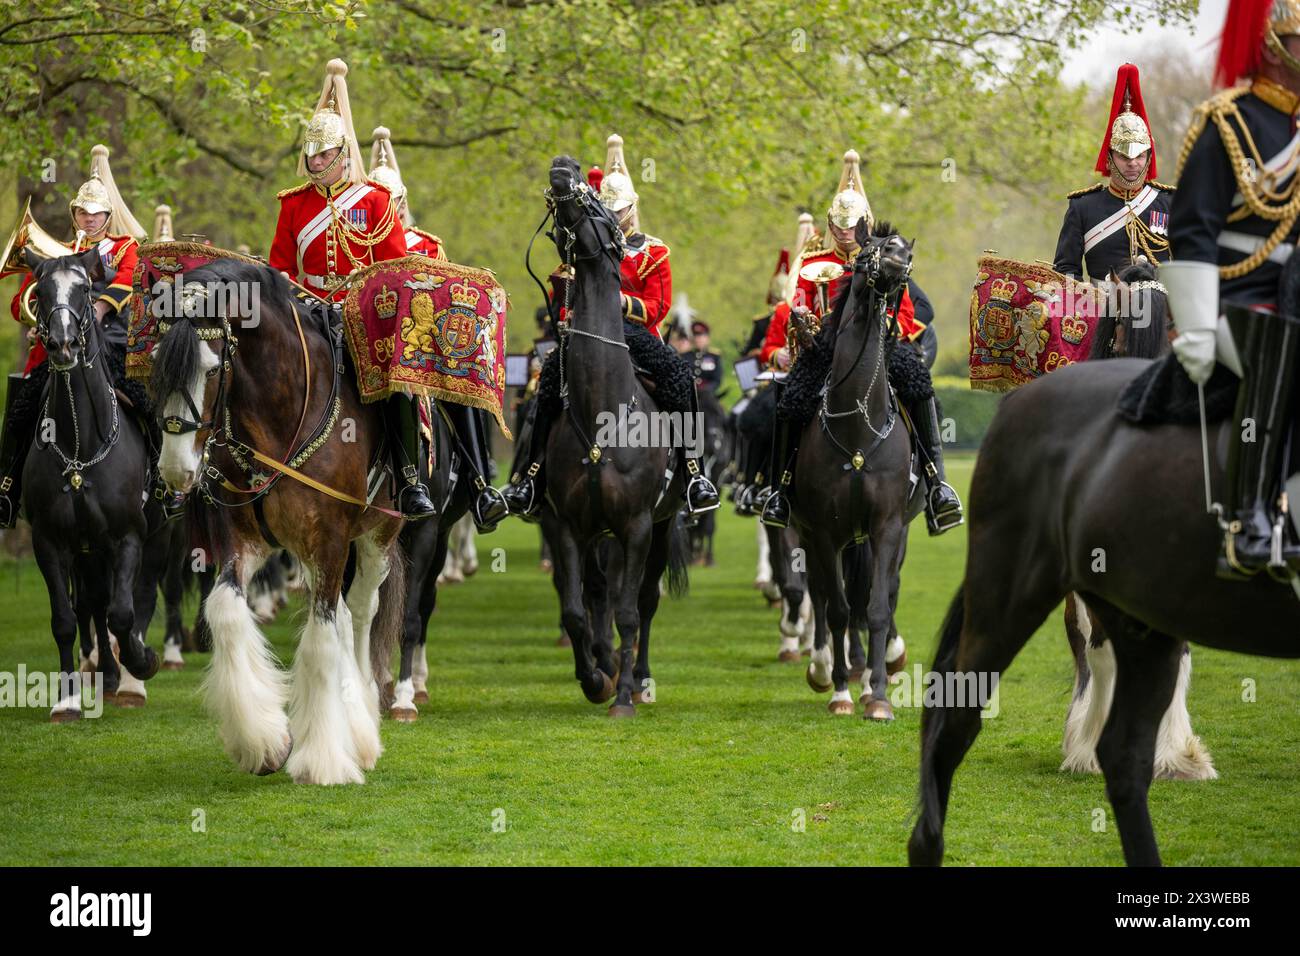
(419, 242)
(647, 281)
(807, 294)
(312, 231)
(119, 254)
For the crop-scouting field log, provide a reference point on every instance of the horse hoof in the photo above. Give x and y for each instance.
(879, 710)
(788, 657)
(152, 664)
(129, 700)
(855, 675)
(622, 710)
(404, 715)
(604, 689)
(841, 708)
(274, 764)
(805, 652)
(65, 716)
(812, 682)
(421, 697)
(563, 641)
(893, 667)
(173, 665)
(773, 604)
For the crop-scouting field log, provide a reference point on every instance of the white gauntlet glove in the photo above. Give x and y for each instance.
(1193, 289)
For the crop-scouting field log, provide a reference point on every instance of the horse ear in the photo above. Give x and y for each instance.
(862, 231)
(93, 264)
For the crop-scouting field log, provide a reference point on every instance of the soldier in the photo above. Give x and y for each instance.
(706, 359)
(488, 507)
(1109, 224)
(811, 300)
(334, 224)
(100, 218)
(775, 292)
(1233, 226)
(646, 293)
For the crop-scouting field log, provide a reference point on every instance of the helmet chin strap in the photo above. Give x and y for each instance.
(1117, 178)
(1274, 43)
(318, 177)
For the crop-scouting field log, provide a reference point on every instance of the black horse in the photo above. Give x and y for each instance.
(86, 482)
(717, 458)
(1046, 520)
(851, 481)
(596, 492)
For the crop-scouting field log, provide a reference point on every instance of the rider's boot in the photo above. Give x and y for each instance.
(527, 489)
(785, 449)
(402, 419)
(1257, 536)
(488, 506)
(942, 506)
(15, 440)
(701, 495)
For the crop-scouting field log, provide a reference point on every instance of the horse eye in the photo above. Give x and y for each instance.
(212, 371)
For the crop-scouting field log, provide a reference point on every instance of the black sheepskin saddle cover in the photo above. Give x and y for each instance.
(27, 404)
(1162, 394)
(665, 374)
(802, 394)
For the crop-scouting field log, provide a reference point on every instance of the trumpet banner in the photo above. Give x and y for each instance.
(1026, 319)
(430, 328)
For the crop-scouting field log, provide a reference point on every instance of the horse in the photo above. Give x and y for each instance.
(86, 482)
(230, 374)
(596, 493)
(1125, 332)
(717, 443)
(1045, 521)
(851, 480)
(425, 545)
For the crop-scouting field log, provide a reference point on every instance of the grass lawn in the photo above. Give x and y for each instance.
(714, 772)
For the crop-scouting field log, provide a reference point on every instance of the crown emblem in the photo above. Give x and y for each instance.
(465, 295)
(1003, 290)
(1073, 329)
(386, 303)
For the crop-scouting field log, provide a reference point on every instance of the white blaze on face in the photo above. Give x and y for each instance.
(179, 458)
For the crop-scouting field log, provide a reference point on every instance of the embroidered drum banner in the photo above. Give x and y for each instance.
(1026, 320)
(161, 262)
(429, 328)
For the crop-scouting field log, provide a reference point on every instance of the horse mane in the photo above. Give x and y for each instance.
(1147, 340)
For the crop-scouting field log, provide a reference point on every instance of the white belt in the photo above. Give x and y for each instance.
(1244, 242)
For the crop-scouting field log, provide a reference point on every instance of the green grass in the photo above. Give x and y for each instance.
(709, 774)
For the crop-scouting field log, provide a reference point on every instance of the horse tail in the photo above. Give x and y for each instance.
(926, 845)
(679, 558)
(857, 582)
(386, 629)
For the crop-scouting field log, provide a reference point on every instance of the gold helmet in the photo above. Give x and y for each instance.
(330, 127)
(384, 170)
(850, 202)
(616, 189)
(162, 224)
(806, 239)
(99, 194)
(1129, 135)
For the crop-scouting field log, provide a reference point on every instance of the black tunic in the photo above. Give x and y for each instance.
(1092, 206)
(1206, 190)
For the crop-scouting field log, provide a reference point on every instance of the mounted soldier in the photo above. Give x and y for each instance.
(487, 507)
(645, 297)
(1109, 224)
(334, 224)
(1233, 228)
(100, 218)
(819, 277)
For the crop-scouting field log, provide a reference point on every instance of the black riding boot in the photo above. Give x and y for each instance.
(527, 488)
(1257, 536)
(403, 421)
(776, 509)
(701, 495)
(488, 506)
(942, 506)
(15, 440)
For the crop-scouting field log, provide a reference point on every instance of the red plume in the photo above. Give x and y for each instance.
(595, 176)
(1242, 40)
(1126, 81)
(782, 263)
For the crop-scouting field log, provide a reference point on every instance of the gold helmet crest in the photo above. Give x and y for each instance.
(330, 127)
(162, 224)
(616, 189)
(850, 202)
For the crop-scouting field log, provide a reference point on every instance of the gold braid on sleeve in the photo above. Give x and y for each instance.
(1254, 181)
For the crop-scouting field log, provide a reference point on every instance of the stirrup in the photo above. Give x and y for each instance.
(776, 511)
(486, 519)
(425, 507)
(937, 522)
(698, 481)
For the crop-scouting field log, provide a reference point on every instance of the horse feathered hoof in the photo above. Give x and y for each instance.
(65, 716)
(152, 664)
(841, 708)
(788, 657)
(404, 715)
(622, 710)
(895, 666)
(275, 764)
(879, 710)
(421, 697)
(856, 671)
(812, 682)
(598, 687)
(129, 700)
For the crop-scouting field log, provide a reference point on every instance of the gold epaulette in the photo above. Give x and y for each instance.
(653, 241)
(1165, 186)
(292, 189)
(427, 235)
(1216, 106)
(1085, 190)
(378, 185)
(813, 253)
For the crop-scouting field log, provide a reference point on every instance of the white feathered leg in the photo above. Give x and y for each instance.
(362, 603)
(1180, 755)
(1088, 711)
(763, 575)
(244, 687)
